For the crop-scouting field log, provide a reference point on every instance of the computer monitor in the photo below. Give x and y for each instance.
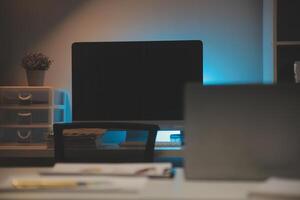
(138, 81)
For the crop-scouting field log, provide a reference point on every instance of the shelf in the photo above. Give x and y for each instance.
(19, 151)
(287, 43)
(281, 40)
(26, 126)
(20, 146)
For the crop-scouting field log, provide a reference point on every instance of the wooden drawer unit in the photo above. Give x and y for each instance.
(27, 115)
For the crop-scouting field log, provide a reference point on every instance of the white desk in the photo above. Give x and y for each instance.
(176, 188)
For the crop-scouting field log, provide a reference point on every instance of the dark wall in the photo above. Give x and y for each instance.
(5, 45)
(23, 23)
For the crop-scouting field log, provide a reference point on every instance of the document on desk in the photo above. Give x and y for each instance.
(162, 170)
(276, 189)
(73, 184)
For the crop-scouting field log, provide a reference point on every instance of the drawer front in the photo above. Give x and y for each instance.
(23, 135)
(24, 116)
(25, 97)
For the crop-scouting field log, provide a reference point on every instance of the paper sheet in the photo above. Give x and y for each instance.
(124, 169)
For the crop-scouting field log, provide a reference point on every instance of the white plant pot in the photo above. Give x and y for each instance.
(35, 77)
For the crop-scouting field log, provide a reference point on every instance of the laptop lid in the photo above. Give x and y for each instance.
(242, 132)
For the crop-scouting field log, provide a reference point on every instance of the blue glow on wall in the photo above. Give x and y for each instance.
(231, 32)
(224, 62)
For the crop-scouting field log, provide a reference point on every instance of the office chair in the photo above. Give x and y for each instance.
(81, 142)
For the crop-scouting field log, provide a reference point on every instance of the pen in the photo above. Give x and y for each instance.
(145, 171)
(52, 184)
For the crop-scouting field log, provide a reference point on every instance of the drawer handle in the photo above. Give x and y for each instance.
(24, 98)
(24, 137)
(27, 114)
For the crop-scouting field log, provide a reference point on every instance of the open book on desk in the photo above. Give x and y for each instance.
(153, 170)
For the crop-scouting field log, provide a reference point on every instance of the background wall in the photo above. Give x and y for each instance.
(230, 29)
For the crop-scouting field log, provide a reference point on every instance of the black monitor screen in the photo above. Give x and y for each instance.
(133, 80)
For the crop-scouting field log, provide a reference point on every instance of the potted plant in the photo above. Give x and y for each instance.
(35, 65)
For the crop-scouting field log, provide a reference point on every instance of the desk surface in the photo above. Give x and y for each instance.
(176, 188)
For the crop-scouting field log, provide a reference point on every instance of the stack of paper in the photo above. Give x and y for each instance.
(163, 170)
(277, 189)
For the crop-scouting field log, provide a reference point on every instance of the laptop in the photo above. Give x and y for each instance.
(242, 132)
